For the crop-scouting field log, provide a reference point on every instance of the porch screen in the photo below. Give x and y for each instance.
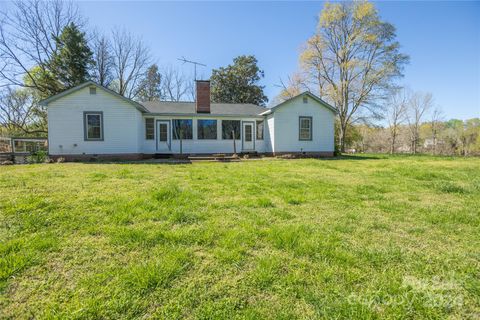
(207, 129)
(229, 127)
(182, 128)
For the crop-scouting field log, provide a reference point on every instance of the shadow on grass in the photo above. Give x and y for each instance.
(184, 161)
(353, 157)
(170, 162)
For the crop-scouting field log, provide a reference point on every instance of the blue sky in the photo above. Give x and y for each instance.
(442, 39)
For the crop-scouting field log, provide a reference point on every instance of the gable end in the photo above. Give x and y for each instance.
(303, 94)
(92, 85)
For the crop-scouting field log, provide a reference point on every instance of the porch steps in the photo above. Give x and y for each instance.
(214, 157)
(162, 156)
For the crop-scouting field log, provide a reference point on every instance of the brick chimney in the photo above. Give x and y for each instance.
(202, 104)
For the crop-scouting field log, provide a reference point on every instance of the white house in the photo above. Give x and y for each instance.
(92, 121)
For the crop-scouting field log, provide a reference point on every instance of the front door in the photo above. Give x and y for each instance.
(247, 137)
(163, 136)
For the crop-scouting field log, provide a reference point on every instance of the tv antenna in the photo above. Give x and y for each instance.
(195, 64)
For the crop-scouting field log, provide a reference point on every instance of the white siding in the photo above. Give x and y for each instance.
(286, 127)
(121, 124)
(269, 134)
(124, 128)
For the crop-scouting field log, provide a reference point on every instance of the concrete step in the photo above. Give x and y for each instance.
(220, 157)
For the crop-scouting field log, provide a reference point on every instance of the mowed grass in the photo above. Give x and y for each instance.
(363, 237)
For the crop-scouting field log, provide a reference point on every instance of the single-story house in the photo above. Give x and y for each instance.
(92, 121)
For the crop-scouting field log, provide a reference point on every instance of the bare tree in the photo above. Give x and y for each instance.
(418, 105)
(102, 55)
(28, 33)
(19, 112)
(436, 119)
(191, 91)
(175, 86)
(27, 39)
(131, 59)
(353, 58)
(395, 114)
(295, 84)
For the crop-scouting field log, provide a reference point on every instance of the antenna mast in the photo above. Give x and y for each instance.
(195, 64)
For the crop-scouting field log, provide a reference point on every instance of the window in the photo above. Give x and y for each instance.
(229, 127)
(163, 134)
(93, 90)
(149, 129)
(93, 125)
(305, 128)
(207, 129)
(248, 132)
(260, 130)
(305, 100)
(182, 128)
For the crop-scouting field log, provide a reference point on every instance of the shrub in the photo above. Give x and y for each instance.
(39, 156)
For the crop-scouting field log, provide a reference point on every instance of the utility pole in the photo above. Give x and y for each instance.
(195, 64)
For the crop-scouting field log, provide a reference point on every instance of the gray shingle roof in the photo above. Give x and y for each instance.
(228, 109)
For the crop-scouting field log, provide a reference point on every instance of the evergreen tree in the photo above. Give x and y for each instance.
(150, 87)
(73, 59)
(238, 83)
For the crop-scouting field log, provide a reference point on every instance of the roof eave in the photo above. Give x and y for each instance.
(203, 115)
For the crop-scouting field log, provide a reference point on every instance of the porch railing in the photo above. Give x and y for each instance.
(19, 149)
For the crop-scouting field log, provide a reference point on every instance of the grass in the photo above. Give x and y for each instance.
(361, 237)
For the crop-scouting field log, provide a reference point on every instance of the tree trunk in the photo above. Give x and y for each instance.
(415, 142)
(392, 146)
(341, 137)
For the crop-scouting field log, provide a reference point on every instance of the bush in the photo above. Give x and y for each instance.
(39, 156)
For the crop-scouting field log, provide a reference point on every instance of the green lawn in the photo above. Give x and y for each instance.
(364, 237)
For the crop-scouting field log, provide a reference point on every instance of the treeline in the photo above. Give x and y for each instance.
(412, 123)
(453, 137)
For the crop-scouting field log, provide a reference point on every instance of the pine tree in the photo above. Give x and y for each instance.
(73, 59)
(150, 89)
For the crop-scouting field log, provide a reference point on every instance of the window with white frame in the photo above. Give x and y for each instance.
(206, 129)
(230, 129)
(182, 129)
